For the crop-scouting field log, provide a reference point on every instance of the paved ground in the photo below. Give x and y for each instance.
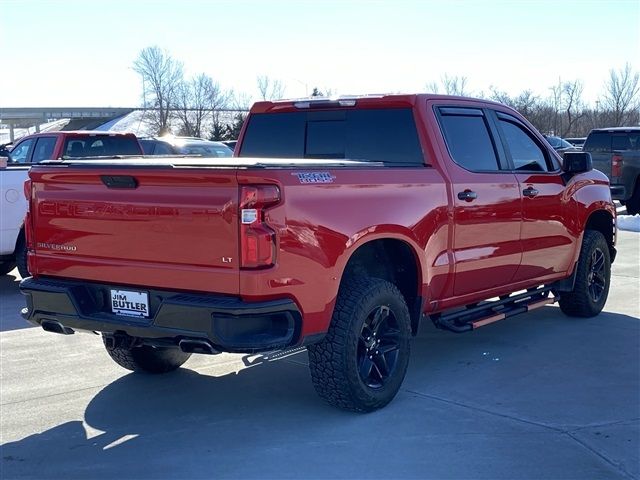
(537, 396)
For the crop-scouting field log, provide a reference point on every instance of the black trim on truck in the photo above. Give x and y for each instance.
(228, 323)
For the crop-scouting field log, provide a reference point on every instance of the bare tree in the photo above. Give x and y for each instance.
(451, 85)
(455, 85)
(433, 87)
(573, 106)
(621, 95)
(218, 100)
(161, 80)
(193, 104)
(270, 89)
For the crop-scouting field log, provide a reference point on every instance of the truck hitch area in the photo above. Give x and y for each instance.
(478, 315)
(187, 345)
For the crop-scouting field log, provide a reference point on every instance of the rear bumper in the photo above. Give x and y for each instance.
(228, 323)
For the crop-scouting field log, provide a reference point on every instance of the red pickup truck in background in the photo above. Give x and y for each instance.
(339, 226)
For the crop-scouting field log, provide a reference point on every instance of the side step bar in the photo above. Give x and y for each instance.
(484, 313)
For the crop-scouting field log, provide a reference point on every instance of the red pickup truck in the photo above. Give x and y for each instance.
(338, 226)
(36, 148)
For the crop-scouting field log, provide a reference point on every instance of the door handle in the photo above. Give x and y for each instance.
(467, 196)
(530, 192)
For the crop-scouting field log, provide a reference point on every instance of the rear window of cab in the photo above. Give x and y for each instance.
(377, 135)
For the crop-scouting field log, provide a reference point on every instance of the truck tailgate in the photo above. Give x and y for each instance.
(157, 227)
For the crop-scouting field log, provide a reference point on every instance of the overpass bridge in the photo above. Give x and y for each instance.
(79, 117)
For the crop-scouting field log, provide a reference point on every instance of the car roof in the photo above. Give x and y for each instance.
(617, 129)
(78, 133)
(172, 140)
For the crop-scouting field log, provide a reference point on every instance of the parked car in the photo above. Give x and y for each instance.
(559, 144)
(342, 225)
(170, 145)
(230, 143)
(616, 153)
(36, 148)
(576, 141)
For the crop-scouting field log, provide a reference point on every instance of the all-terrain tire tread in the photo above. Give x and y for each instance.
(327, 357)
(577, 303)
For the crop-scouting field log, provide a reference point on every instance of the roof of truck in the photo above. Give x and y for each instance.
(617, 129)
(370, 101)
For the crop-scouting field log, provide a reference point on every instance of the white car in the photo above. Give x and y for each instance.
(13, 205)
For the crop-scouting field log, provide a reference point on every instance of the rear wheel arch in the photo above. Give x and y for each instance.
(395, 261)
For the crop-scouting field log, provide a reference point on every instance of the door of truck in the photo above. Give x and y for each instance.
(486, 202)
(547, 213)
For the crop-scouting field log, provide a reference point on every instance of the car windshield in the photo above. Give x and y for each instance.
(555, 142)
(206, 150)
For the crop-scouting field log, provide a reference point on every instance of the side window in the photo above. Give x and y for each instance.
(525, 152)
(43, 149)
(20, 152)
(598, 142)
(468, 139)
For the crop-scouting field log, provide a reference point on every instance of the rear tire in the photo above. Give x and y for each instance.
(147, 359)
(21, 257)
(7, 266)
(363, 359)
(593, 277)
(633, 203)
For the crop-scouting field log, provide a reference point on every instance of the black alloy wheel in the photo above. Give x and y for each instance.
(378, 347)
(597, 275)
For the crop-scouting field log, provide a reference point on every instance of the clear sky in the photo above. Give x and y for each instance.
(80, 53)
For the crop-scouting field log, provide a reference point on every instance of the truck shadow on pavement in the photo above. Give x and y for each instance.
(11, 302)
(543, 373)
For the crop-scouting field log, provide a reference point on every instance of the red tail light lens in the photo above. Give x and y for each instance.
(616, 165)
(257, 240)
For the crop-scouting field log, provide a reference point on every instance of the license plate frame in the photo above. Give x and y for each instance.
(129, 303)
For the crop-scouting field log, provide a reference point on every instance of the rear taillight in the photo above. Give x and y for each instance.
(257, 239)
(616, 165)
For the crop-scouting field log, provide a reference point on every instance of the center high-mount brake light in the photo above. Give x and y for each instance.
(257, 239)
(324, 103)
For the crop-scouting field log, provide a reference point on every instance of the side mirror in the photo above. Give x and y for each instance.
(3, 161)
(576, 162)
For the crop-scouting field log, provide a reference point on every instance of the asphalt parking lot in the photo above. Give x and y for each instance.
(537, 396)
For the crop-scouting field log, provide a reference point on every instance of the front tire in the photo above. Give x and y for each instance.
(147, 359)
(593, 278)
(363, 359)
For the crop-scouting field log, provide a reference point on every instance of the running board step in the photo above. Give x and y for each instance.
(484, 313)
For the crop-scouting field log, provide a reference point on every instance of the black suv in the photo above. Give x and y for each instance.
(616, 152)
